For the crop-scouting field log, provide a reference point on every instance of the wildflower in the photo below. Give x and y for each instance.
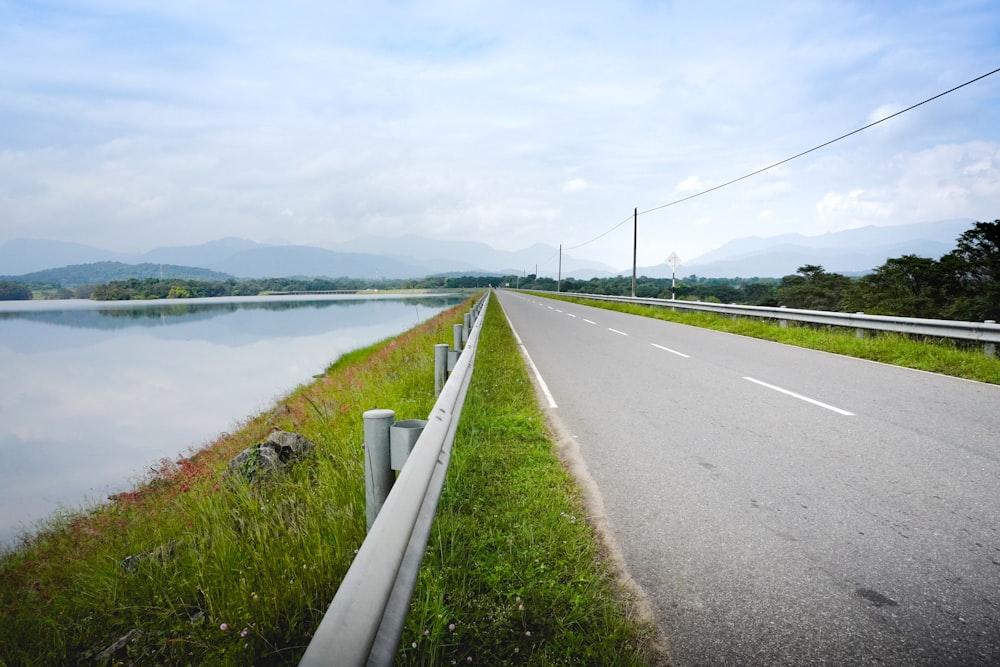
(527, 633)
(520, 607)
(255, 597)
(427, 633)
(517, 650)
(414, 644)
(224, 627)
(469, 659)
(451, 627)
(243, 632)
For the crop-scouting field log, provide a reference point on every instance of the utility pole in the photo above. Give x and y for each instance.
(635, 245)
(559, 281)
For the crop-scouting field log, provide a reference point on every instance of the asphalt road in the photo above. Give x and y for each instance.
(783, 506)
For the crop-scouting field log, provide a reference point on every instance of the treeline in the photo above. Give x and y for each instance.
(11, 291)
(963, 285)
(154, 288)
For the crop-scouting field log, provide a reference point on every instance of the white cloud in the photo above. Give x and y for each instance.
(445, 118)
(852, 209)
(690, 184)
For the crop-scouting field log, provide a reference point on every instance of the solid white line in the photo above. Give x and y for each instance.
(531, 364)
(667, 349)
(801, 397)
(589, 321)
(617, 331)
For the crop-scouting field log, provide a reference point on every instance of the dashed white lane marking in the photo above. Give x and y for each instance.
(801, 397)
(622, 333)
(571, 314)
(667, 349)
(589, 321)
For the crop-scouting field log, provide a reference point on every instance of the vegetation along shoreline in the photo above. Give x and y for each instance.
(197, 566)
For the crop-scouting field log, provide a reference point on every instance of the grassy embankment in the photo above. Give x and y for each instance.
(236, 573)
(935, 355)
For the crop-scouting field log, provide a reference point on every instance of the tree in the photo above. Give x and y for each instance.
(907, 286)
(812, 289)
(178, 292)
(11, 291)
(974, 272)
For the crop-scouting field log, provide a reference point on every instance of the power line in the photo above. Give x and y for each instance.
(823, 145)
(777, 164)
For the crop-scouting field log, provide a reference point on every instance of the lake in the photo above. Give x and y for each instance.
(93, 394)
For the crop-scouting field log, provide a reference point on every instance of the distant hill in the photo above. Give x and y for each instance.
(99, 273)
(854, 251)
(20, 256)
(209, 255)
(364, 258)
(306, 261)
(850, 252)
(467, 257)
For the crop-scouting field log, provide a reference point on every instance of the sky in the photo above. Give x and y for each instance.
(129, 124)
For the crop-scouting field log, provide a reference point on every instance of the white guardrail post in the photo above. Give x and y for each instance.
(378, 471)
(364, 622)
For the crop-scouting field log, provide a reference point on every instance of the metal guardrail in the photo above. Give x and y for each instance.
(364, 623)
(987, 332)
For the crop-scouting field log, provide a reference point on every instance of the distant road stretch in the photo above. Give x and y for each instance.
(783, 506)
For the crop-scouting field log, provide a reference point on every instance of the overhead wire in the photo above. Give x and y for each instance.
(786, 160)
(823, 145)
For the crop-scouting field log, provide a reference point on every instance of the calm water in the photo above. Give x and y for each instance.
(94, 393)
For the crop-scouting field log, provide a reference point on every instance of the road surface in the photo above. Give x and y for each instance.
(782, 506)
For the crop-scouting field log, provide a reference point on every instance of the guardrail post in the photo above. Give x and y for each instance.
(456, 351)
(378, 472)
(440, 367)
(859, 332)
(990, 349)
(466, 326)
(403, 436)
(783, 323)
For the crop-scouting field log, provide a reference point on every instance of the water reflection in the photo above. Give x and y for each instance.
(90, 397)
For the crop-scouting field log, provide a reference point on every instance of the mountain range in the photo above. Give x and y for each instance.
(365, 258)
(850, 252)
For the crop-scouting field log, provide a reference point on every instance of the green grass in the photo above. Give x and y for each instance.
(934, 355)
(234, 573)
(512, 574)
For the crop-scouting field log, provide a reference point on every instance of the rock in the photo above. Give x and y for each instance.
(272, 455)
(290, 446)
